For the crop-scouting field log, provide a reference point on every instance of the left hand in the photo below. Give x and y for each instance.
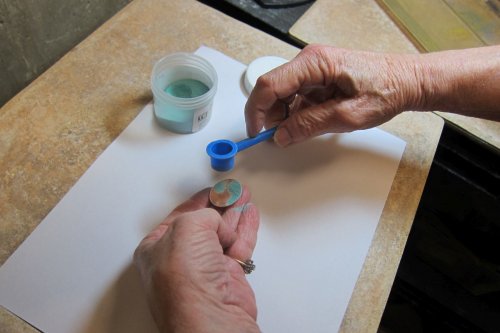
(191, 281)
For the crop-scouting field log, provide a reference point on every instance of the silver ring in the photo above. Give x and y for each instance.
(247, 265)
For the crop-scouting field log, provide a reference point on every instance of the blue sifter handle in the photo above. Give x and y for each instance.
(262, 136)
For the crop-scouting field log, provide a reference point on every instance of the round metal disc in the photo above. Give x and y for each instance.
(225, 193)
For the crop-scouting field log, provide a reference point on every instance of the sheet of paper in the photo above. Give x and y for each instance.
(320, 203)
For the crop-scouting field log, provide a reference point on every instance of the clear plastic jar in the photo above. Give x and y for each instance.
(181, 109)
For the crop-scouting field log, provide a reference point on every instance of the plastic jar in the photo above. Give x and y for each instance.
(183, 114)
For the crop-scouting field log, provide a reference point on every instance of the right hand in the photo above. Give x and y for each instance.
(330, 90)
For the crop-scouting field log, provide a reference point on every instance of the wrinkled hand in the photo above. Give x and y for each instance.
(330, 90)
(191, 281)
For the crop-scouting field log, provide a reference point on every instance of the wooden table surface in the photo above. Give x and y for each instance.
(53, 130)
(364, 25)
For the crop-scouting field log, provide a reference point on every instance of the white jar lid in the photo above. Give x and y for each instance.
(259, 67)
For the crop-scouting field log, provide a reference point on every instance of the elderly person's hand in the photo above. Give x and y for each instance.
(192, 282)
(327, 90)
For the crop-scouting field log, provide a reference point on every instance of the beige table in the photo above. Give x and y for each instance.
(53, 130)
(362, 24)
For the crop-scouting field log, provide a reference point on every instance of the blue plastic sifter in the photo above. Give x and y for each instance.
(222, 152)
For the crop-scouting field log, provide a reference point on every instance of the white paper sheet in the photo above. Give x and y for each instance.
(320, 203)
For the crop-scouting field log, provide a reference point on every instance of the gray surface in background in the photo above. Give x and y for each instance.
(34, 34)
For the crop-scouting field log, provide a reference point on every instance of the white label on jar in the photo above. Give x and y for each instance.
(200, 118)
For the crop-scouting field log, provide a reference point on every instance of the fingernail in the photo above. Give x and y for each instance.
(252, 132)
(282, 137)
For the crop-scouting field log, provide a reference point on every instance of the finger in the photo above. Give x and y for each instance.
(241, 294)
(332, 116)
(271, 88)
(307, 123)
(276, 115)
(246, 231)
(198, 201)
(319, 95)
(231, 215)
(198, 223)
(199, 229)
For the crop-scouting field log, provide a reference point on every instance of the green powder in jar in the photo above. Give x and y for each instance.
(186, 88)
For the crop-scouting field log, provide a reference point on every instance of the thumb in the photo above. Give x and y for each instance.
(304, 124)
(208, 219)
